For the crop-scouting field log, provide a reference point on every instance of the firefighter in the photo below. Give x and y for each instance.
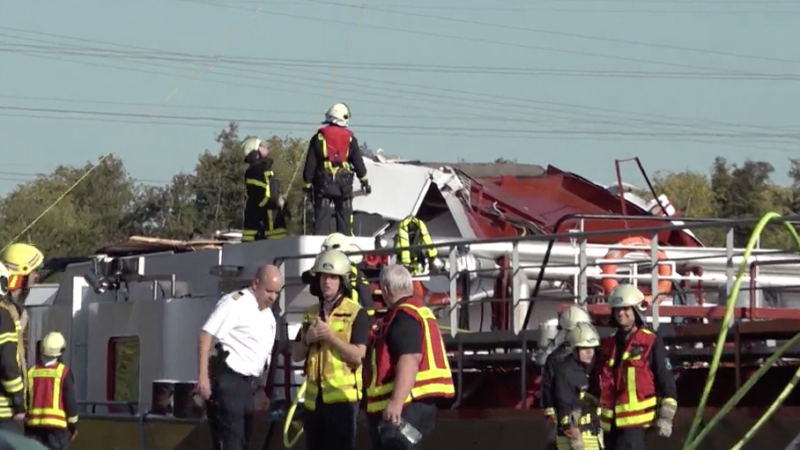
(52, 416)
(333, 158)
(359, 284)
(264, 212)
(409, 369)
(412, 232)
(21, 261)
(333, 342)
(12, 395)
(558, 350)
(634, 356)
(576, 408)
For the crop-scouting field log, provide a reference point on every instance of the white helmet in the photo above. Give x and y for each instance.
(335, 241)
(53, 345)
(254, 144)
(338, 114)
(584, 335)
(627, 296)
(573, 316)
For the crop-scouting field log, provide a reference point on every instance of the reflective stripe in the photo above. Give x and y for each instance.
(18, 337)
(45, 403)
(407, 257)
(590, 442)
(270, 232)
(339, 381)
(263, 184)
(550, 412)
(434, 381)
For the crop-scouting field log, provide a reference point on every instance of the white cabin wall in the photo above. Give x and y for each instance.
(182, 320)
(191, 272)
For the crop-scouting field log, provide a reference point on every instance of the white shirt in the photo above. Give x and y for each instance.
(245, 332)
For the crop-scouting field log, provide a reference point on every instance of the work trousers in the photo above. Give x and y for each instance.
(625, 439)
(230, 410)
(420, 415)
(331, 426)
(52, 438)
(338, 209)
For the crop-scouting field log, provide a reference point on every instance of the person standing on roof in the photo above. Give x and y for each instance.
(576, 408)
(559, 350)
(409, 369)
(21, 261)
(52, 417)
(359, 284)
(264, 213)
(412, 232)
(333, 158)
(12, 394)
(244, 327)
(333, 342)
(634, 356)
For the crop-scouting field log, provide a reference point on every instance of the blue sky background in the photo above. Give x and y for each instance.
(573, 83)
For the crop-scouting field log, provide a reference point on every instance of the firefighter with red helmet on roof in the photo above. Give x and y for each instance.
(333, 159)
(52, 416)
(634, 357)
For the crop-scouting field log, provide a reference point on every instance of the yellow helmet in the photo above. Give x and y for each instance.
(584, 335)
(626, 296)
(335, 241)
(53, 345)
(21, 259)
(572, 317)
(332, 262)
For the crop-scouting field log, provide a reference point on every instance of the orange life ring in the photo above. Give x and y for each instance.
(664, 270)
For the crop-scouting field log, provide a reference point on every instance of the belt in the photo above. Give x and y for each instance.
(248, 378)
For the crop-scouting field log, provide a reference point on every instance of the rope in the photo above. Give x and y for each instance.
(196, 71)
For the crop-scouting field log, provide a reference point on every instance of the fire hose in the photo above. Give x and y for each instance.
(693, 441)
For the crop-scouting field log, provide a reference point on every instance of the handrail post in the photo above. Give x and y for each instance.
(282, 293)
(654, 265)
(757, 294)
(729, 271)
(583, 264)
(454, 290)
(515, 287)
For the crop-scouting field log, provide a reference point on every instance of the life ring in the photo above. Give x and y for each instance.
(664, 270)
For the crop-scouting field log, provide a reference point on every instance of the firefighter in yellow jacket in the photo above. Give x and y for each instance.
(22, 261)
(412, 232)
(52, 417)
(12, 394)
(333, 342)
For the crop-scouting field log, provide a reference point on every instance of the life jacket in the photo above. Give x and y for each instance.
(334, 144)
(628, 392)
(434, 377)
(411, 232)
(326, 373)
(45, 399)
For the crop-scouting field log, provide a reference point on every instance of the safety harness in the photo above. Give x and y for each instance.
(412, 232)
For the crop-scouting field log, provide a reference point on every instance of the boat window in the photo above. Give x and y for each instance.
(123, 369)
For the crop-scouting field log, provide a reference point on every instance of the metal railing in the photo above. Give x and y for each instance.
(458, 248)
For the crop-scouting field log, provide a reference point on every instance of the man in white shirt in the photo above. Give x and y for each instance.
(244, 327)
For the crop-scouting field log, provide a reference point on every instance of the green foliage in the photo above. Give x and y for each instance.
(108, 205)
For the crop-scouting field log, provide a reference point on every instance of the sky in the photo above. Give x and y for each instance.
(571, 83)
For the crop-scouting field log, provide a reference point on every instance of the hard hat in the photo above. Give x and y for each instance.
(332, 262)
(572, 317)
(250, 145)
(54, 344)
(355, 259)
(338, 114)
(626, 296)
(4, 280)
(335, 241)
(583, 335)
(21, 259)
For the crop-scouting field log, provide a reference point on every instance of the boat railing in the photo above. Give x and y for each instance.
(111, 407)
(580, 239)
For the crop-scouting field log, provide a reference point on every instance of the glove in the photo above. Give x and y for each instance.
(600, 439)
(665, 416)
(366, 187)
(575, 439)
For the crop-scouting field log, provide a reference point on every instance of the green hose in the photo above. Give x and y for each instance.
(726, 321)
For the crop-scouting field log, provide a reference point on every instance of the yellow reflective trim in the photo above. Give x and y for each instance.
(53, 416)
(550, 412)
(327, 165)
(402, 241)
(13, 386)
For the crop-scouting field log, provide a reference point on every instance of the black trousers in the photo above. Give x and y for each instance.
(230, 410)
(331, 427)
(420, 415)
(53, 439)
(625, 439)
(340, 209)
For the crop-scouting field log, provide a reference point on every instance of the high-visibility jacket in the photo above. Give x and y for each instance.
(627, 392)
(434, 377)
(47, 407)
(412, 231)
(326, 373)
(11, 379)
(20, 324)
(262, 213)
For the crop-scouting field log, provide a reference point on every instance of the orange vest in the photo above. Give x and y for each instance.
(45, 401)
(434, 378)
(628, 392)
